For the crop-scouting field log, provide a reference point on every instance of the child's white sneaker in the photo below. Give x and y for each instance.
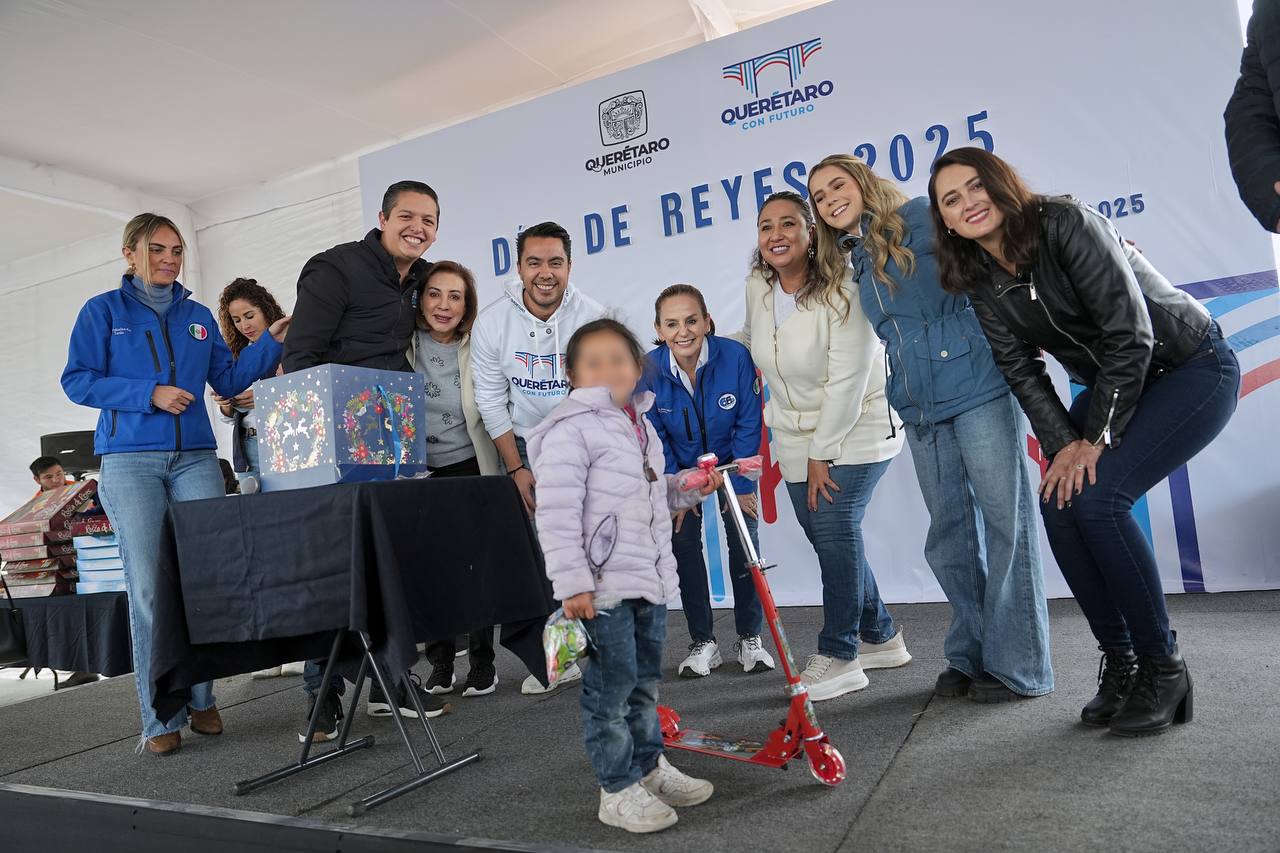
(703, 657)
(532, 686)
(635, 810)
(828, 677)
(675, 788)
(752, 655)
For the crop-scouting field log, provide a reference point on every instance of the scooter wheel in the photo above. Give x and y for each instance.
(827, 764)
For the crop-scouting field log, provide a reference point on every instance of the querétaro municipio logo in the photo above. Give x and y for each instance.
(623, 118)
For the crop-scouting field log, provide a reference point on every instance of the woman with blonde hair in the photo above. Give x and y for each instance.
(142, 354)
(831, 434)
(962, 423)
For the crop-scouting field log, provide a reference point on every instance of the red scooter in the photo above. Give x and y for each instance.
(799, 732)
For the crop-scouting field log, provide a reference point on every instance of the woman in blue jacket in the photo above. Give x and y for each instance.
(707, 401)
(964, 428)
(142, 354)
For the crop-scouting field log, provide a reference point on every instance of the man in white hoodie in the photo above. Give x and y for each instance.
(517, 346)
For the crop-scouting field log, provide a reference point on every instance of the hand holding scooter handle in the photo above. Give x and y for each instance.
(751, 467)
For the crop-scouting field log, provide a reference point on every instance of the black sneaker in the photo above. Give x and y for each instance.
(432, 705)
(481, 681)
(327, 722)
(442, 680)
(952, 682)
(378, 706)
(986, 689)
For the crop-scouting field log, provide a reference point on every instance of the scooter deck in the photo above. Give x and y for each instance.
(724, 746)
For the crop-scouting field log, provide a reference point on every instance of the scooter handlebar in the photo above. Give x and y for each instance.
(751, 467)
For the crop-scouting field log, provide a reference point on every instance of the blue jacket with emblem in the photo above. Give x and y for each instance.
(940, 360)
(721, 416)
(121, 350)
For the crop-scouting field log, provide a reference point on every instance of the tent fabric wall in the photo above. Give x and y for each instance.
(36, 317)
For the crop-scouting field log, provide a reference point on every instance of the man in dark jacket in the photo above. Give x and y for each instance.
(1253, 117)
(357, 305)
(357, 301)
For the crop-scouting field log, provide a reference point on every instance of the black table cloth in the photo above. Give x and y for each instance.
(251, 581)
(78, 633)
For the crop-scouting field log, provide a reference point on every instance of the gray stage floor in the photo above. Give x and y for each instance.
(924, 773)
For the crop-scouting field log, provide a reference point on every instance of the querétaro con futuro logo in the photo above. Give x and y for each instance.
(623, 118)
(779, 104)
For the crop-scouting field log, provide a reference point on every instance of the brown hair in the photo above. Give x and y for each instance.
(138, 232)
(471, 301)
(814, 282)
(885, 230)
(961, 261)
(256, 295)
(680, 290)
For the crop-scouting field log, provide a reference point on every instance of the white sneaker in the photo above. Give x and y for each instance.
(752, 655)
(828, 677)
(892, 652)
(295, 668)
(532, 686)
(703, 657)
(269, 672)
(675, 788)
(635, 810)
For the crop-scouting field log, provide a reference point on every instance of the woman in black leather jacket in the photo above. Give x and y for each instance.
(1051, 275)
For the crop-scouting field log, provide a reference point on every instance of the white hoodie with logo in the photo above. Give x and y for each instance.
(517, 360)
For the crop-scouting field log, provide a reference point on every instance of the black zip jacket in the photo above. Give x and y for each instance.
(1252, 116)
(353, 309)
(1100, 308)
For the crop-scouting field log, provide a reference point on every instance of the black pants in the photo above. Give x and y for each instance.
(480, 643)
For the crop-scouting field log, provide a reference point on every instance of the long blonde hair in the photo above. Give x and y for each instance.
(816, 284)
(138, 233)
(884, 233)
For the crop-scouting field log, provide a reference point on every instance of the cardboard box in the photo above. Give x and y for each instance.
(31, 540)
(92, 525)
(339, 424)
(51, 510)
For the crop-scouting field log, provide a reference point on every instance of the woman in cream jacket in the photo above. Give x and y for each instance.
(832, 433)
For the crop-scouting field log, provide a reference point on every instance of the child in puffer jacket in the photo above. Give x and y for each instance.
(604, 521)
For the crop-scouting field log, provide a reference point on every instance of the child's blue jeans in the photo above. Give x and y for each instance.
(620, 692)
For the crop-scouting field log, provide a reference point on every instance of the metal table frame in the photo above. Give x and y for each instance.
(422, 775)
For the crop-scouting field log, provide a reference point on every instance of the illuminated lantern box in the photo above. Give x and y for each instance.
(339, 424)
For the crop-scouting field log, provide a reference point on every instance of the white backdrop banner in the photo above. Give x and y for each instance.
(658, 173)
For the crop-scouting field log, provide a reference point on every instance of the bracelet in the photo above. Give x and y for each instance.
(520, 467)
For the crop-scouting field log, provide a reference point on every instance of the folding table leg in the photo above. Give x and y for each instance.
(422, 776)
(305, 760)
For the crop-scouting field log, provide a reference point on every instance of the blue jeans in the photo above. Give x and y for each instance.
(851, 606)
(1103, 554)
(250, 457)
(983, 546)
(135, 490)
(619, 695)
(695, 597)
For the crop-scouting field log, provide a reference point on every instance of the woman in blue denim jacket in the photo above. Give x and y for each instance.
(142, 354)
(964, 428)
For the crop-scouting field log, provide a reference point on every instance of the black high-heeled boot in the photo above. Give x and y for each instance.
(1115, 675)
(1160, 697)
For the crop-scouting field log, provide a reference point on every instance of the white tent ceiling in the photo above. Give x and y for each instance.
(184, 100)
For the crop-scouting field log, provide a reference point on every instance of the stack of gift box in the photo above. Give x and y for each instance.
(36, 541)
(97, 555)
